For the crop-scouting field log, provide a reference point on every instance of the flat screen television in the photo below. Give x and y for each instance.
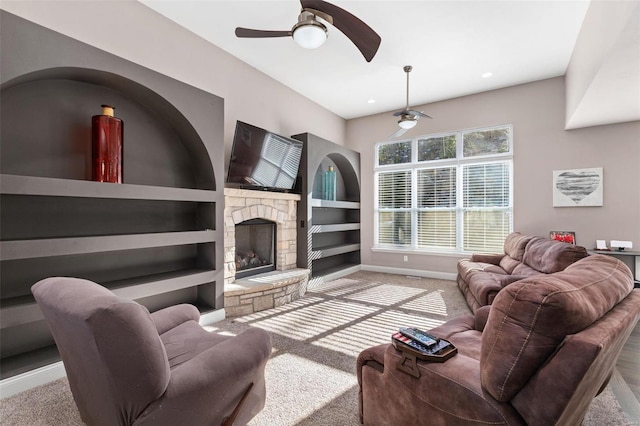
(263, 160)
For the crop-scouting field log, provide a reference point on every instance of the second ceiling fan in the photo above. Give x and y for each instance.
(309, 32)
(408, 117)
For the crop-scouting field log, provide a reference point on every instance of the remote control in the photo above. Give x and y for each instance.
(413, 344)
(426, 339)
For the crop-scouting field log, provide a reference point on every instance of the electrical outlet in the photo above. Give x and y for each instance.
(406, 258)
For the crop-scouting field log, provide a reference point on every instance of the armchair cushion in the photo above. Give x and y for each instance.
(172, 316)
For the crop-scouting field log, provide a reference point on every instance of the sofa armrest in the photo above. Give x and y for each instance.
(493, 259)
(482, 315)
(171, 317)
(207, 388)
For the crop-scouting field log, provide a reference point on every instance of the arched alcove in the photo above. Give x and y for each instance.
(47, 117)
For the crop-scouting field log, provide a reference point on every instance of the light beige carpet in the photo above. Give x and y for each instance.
(311, 377)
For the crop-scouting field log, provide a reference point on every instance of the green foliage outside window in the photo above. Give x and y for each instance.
(485, 142)
(394, 153)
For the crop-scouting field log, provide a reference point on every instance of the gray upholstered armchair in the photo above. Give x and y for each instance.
(537, 356)
(128, 367)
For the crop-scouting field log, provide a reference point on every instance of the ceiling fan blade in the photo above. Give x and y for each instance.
(417, 113)
(360, 34)
(400, 113)
(398, 133)
(249, 33)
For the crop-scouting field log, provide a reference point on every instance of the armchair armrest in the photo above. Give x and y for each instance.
(493, 259)
(445, 393)
(171, 317)
(210, 385)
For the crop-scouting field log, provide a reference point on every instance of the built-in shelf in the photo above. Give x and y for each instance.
(335, 204)
(156, 238)
(30, 249)
(53, 187)
(23, 310)
(339, 227)
(320, 253)
(329, 230)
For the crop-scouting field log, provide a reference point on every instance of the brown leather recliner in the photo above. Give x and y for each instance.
(128, 367)
(537, 356)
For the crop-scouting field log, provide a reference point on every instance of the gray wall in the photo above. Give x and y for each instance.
(132, 31)
(536, 110)
(541, 145)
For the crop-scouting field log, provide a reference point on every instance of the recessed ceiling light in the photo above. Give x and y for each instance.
(487, 74)
(371, 101)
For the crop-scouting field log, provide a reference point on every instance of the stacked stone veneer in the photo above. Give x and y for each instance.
(241, 205)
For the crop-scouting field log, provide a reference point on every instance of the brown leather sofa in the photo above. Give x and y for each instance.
(484, 275)
(128, 367)
(537, 356)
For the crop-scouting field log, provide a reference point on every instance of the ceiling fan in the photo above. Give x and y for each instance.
(310, 33)
(408, 117)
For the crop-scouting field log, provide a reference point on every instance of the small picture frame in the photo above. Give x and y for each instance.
(564, 236)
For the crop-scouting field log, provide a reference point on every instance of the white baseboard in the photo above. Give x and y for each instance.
(31, 379)
(411, 272)
(212, 317)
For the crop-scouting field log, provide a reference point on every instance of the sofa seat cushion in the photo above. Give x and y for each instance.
(188, 340)
(467, 267)
(550, 256)
(530, 318)
(462, 333)
(525, 270)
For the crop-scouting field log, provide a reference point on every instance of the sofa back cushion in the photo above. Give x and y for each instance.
(514, 245)
(550, 256)
(531, 317)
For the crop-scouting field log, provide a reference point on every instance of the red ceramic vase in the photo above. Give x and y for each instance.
(107, 146)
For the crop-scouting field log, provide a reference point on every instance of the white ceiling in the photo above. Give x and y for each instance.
(450, 44)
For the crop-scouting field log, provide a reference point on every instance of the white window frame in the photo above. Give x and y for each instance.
(459, 162)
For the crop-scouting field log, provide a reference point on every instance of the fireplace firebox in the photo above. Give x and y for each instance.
(255, 247)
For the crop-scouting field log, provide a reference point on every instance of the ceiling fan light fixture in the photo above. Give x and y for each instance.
(407, 124)
(310, 34)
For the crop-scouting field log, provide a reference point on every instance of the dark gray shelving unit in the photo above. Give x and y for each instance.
(328, 230)
(157, 238)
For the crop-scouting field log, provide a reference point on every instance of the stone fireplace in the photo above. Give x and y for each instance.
(246, 211)
(255, 247)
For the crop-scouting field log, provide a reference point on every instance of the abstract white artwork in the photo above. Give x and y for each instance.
(578, 187)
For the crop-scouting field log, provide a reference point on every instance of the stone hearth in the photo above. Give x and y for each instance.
(263, 291)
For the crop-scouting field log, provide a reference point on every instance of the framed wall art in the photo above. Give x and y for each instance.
(578, 187)
(564, 236)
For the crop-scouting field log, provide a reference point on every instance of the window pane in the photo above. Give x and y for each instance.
(437, 229)
(394, 228)
(485, 231)
(439, 148)
(394, 190)
(485, 142)
(437, 187)
(394, 153)
(486, 185)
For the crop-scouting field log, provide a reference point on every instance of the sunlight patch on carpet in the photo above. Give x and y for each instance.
(310, 321)
(385, 294)
(431, 303)
(373, 331)
(342, 286)
(306, 390)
